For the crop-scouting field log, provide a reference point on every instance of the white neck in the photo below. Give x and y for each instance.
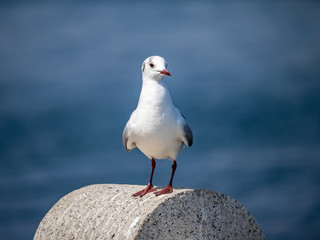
(154, 94)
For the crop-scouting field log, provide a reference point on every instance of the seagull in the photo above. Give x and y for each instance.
(156, 126)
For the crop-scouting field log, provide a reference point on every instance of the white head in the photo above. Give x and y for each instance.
(154, 68)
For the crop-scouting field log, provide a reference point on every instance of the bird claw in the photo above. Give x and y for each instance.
(166, 190)
(143, 192)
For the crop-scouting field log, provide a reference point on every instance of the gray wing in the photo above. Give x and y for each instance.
(125, 137)
(188, 134)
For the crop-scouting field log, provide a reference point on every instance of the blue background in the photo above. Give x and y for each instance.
(245, 74)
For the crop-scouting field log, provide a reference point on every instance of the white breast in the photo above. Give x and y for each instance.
(155, 123)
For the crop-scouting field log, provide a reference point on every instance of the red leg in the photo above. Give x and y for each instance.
(150, 187)
(168, 189)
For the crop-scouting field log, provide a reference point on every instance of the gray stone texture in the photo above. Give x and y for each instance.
(108, 211)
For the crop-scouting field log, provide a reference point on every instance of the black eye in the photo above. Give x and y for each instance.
(151, 65)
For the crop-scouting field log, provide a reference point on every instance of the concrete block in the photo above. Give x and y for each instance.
(108, 211)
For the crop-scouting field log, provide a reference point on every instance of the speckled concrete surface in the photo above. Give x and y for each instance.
(108, 211)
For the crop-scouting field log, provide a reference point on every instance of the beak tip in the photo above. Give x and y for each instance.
(165, 72)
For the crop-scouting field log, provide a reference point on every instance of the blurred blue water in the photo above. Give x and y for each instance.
(246, 75)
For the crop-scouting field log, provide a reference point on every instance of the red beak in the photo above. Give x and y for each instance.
(165, 72)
